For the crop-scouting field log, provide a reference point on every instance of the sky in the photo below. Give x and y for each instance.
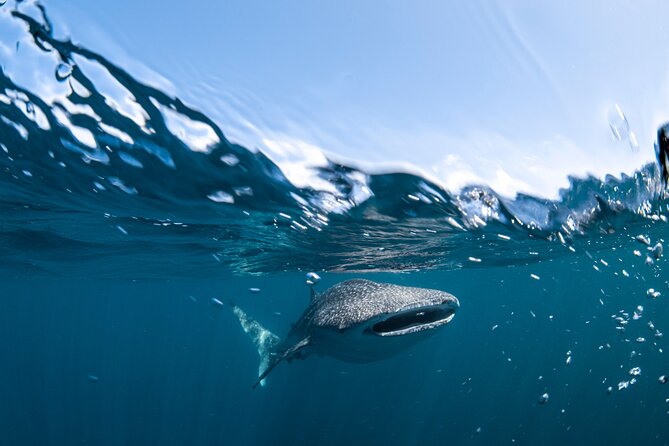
(516, 95)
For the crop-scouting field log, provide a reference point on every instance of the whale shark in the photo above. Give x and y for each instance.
(355, 321)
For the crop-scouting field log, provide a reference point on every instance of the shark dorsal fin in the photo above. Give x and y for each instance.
(289, 353)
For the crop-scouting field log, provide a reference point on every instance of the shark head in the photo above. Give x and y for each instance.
(360, 320)
(383, 309)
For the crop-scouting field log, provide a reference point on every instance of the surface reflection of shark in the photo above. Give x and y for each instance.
(356, 321)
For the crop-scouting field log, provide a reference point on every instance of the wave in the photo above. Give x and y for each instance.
(102, 173)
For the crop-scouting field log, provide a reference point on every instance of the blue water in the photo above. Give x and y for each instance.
(124, 212)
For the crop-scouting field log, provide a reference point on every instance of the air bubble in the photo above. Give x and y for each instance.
(543, 399)
(63, 71)
(312, 278)
(657, 250)
(221, 197)
(618, 123)
(634, 143)
(652, 293)
(229, 159)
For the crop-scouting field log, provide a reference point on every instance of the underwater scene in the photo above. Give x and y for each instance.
(176, 272)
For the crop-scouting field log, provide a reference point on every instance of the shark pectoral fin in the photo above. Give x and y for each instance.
(264, 340)
(263, 374)
(294, 350)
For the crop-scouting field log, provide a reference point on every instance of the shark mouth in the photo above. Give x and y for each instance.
(414, 320)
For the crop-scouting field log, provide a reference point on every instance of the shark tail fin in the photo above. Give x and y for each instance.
(264, 340)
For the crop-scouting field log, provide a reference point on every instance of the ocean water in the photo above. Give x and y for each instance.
(124, 212)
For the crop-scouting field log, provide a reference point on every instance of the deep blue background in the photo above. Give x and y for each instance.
(172, 371)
